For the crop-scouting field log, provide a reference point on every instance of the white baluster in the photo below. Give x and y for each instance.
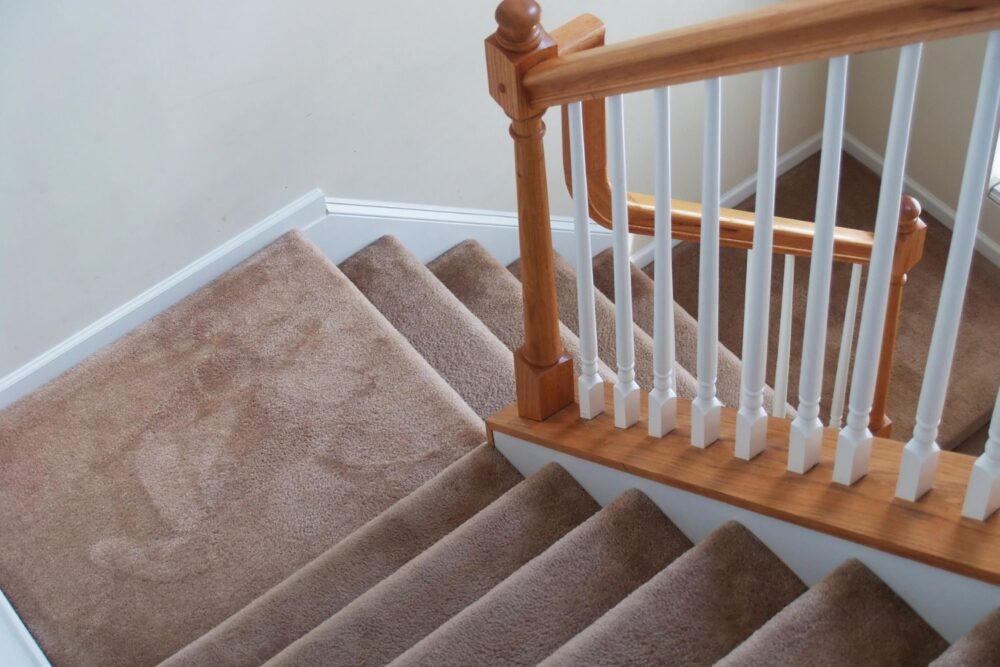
(663, 397)
(590, 385)
(784, 339)
(626, 388)
(751, 419)
(706, 409)
(983, 495)
(920, 456)
(855, 440)
(806, 434)
(846, 343)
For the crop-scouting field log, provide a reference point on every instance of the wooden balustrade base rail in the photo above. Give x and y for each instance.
(931, 530)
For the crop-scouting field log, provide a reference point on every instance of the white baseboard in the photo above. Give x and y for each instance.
(748, 186)
(428, 231)
(949, 602)
(930, 202)
(17, 647)
(298, 214)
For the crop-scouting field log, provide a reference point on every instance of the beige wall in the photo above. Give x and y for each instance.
(942, 120)
(136, 135)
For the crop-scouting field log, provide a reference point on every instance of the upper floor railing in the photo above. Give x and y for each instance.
(531, 70)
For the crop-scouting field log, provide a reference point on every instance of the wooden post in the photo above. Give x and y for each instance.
(909, 249)
(543, 372)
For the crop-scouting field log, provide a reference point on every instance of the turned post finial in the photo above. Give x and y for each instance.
(519, 27)
(909, 213)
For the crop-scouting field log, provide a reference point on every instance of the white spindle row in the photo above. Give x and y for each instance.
(663, 397)
(706, 407)
(920, 456)
(806, 434)
(751, 419)
(590, 385)
(626, 389)
(855, 440)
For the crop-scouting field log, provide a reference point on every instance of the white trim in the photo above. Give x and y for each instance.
(949, 602)
(17, 647)
(745, 188)
(930, 202)
(52, 363)
(428, 231)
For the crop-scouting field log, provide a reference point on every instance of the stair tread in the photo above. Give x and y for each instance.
(695, 611)
(173, 477)
(456, 343)
(494, 295)
(605, 311)
(849, 618)
(730, 369)
(342, 573)
(977, 648)
(448, 576)
(538, 608)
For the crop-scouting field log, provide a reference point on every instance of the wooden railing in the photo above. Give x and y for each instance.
(530, 70)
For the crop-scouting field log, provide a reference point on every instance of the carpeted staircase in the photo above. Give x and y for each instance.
(286, 468)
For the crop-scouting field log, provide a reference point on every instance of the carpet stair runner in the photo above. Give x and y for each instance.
(234, 483)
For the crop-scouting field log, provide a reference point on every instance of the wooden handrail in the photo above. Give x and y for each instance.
(784, 34)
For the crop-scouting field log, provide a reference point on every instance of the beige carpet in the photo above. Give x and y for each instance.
(345, 571)
(972, 388)
(166, 482)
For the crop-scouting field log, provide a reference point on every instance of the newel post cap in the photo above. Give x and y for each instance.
(519, 27)
(909, 212)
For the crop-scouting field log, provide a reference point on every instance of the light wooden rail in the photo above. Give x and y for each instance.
(931, 531)
(784, 34)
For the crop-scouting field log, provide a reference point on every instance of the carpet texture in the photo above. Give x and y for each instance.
(849, 618)
(494, 295)
(980, 646)
(972, 387)
(730, 369)
(456, 343)
(170, 479)
(692, 613)
(367, 556)
(605, 312)
(533, 612)
(445, 579)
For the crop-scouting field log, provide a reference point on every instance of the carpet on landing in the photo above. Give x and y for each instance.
(161, 485)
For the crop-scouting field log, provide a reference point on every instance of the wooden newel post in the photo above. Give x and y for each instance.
(543, 372)
(909, 249)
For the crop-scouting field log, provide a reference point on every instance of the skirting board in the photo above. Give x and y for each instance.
(949, 602)
(428, 231)
(17, 646)
(52, 363)
(931, 203)
(745, 188)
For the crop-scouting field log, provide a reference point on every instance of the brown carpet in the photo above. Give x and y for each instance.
(449, 576)
(342, 573)
(543, 605)
(849, 618)
(730, 369)
(493, 295)
(163, 484)
(605, 311)
(692, 613)
(980, 646)
(973, 380)
(456, 343)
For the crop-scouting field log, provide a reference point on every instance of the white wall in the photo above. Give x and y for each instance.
(136, 135)
(942, 119)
